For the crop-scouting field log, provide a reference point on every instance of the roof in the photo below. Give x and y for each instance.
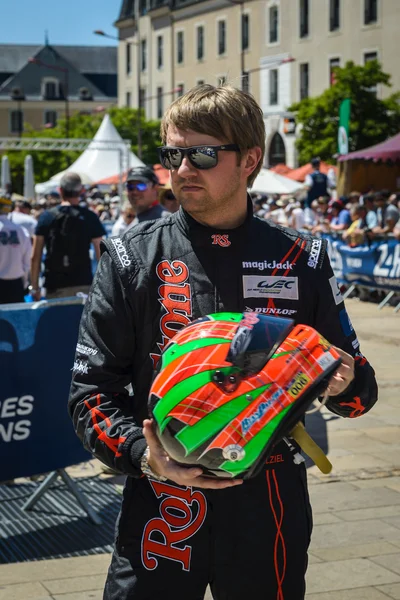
(385, 151)
(86, 59)
(301, 173)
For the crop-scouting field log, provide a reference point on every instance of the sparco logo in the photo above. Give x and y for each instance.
(176, 298)
(314, 254)
(121, 252)
(272, 311)
(220, 240)
(263, 264)
(182, 513)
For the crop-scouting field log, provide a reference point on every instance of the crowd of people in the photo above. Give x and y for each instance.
(29, 231)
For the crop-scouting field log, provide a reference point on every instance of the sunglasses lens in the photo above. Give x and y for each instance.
(203, 157)
(171, 158)
(141, 187)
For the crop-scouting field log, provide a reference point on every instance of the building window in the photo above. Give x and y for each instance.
(273, 24)
(304, 80)
(143, 55)
(273, 86)
(333, 64)
(50, 89)
(128, 99)
(50, 118)
(245, 32)
(304, 19)
(221, 37)
(179, 47)
(277, 151)
(128, 59)
(200, 43)
(245, 81)
(142, 98)
(17, 121)
(142, 7)
(370, 11)
(368, 57)
(160, 108)
(160, 52)
(221, 80)
(200, 82)
(181, 89)
(334, 15)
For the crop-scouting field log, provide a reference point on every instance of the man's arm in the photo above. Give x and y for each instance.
(332, 321)
(36, 261)
(26, 256)
(96, 245)
(99, 403)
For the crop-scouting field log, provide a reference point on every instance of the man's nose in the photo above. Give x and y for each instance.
(186, 168)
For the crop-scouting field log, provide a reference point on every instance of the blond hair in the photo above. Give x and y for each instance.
(224, 112)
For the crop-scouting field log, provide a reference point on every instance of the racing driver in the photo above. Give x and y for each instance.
(179, 531)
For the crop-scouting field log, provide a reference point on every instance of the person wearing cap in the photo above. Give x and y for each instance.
(22, 216)
(316, 183)
(15, 244)
(142, 187)
(167, 198)
(67, 231)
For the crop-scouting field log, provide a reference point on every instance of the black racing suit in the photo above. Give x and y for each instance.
(248, 541)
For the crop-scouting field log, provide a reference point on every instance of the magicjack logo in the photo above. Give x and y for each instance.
(265, 265)
(270, 287)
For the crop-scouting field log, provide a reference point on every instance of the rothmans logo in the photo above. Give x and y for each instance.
(264, 265)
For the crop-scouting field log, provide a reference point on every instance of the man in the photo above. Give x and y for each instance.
(316, 183)
(142, 187)
(247, 540)
(22, 216)
(15, 255)
(387, 214)
(355, 234)
(125, 221)
(67, 232)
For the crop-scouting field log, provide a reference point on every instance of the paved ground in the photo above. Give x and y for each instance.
(355, 550)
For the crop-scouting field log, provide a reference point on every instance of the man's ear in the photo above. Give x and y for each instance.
(254, 155)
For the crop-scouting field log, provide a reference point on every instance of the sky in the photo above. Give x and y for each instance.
(70, 23)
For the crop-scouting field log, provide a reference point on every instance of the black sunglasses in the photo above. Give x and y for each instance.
(201, 157)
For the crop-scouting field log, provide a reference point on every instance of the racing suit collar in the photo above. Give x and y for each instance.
(202, 235)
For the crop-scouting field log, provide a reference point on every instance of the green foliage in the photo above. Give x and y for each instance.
(372, 120)
(47, 164)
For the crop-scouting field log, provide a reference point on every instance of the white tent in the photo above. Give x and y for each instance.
(96, 163)
(268, 182)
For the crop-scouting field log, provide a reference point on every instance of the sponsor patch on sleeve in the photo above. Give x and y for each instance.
(337, 295)
(315, 251)
(345, 322)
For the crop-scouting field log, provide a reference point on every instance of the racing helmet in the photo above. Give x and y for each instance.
(231, 385)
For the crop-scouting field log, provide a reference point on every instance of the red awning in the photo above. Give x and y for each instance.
(162, 174)
(385, 151)
(281, 169)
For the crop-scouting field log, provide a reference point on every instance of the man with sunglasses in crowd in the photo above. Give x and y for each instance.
(179, 530)
(142, 186)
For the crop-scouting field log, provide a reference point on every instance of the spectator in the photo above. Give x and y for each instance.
(369, 203)
(296, 217)
(387, 214)
(355, 234)
(394, 199)
(316, 183)
(341, 219)
(22, 216)
(124, 221)
(115, 207)
(354, 198)
(278, 215)
(167, 199)
(67, 231)
(142, 186)
(15, 254)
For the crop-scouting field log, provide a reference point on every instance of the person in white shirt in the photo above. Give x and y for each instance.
(15, 256)
(21, 215)
(124, 221)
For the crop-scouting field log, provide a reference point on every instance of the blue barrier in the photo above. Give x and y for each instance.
(37, 346)
(376, 265)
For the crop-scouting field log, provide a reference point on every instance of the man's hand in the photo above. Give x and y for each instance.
(162, 464)
(37, 295)
(342, 378)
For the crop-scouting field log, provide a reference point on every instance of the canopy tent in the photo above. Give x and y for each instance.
(373, 168)
(268, 182)
(96, 163)
(385, 151)
(301, 173)
(162, 174)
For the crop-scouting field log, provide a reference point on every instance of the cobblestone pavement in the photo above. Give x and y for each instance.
(355, 549)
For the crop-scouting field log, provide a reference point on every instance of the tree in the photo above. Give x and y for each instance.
(372, 120)
(84, 126)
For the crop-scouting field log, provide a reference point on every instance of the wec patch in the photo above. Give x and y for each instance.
(270, 287)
